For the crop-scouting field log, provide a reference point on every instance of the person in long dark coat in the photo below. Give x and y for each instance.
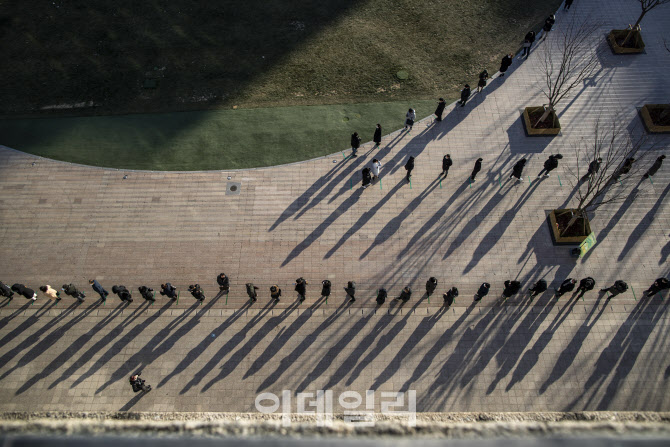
(224, 283)
(548, 26)
(550, 164)
(618, 287)
(517, 169)
(567, 5)
(657, 286)
(26, 292)
(6, 291)
(566, 286)
(325, 288)
(147, 293)
(594, 167)
(528, 42)
(377, 138)
(381, 296)
(450, 296)
(123, 293)
(465, 94)
(446, 164)
(351, 291)
(538, 288)
(483, 291)
(168, 290)
(655, 167)
(476, 169)
(585, 284)
(367, 177)
(405, 295)
(626, 167)
(441, 104)
(483, 77)
(409, 166)
(355, 143)
(301, 288)
(511, 288)
(505, 63)
(431, 285)
(197, 292)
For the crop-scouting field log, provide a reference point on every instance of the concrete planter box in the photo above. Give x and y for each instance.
(618, 34)
(557, 239)
(532, 132)
(646, 118)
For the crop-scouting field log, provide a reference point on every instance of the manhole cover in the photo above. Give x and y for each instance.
(402, 74)
(233, 188)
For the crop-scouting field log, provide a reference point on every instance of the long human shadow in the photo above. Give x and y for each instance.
(282, 338)
(498, 230)
(45, 345)
(365, 218)
(620, 354)
(567, 356)
(394, 224)
(5, 321)
(100, 344)
(413, 147)
(238, 356)
(131, 403)
(159, 344)
(642, 226)
(323, 226)
(294, 356)
(201, 347)
(445, 338)
(455, 117)
(665, 252)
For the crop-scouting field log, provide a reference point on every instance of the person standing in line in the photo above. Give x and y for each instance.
(483, 291)
(6, 291)
(594, 167)
(301, 288)
(167, 289)
(325, 288)
(548, 25)
(409, 166)
(517, 169)
(431, 285)
(567, 5)
(626, 167)
(98, 289)
(405, 295)
(367, 178)
(566, 286)
(51, 293)
(410, 116)
(138, 384)
(355, 144)
(655, 167)
(505, 63)
(197, 292)
(224, 283)
(538, 288)
(528, 42)
(585, 285)
(251, 291)
(376, 168)
(441, 104)
(275, 292)
(657, 286)
(476, 169)
(351, 291)
(618, 288)
(122, 293)
(72, 291)
(550, 164)
(381, 296)
(450, 296)
(465, 94)
(147, 293)
(483, 77)
(377, 138)
(446, 164)
(25, 291)
(511, 288)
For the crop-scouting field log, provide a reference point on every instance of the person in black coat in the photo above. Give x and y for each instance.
(147, 293)
(26, 292)
(505, 63)
(122, 293)
(168, 290)
(381, 296)
(476, 169)
(6, 291)
(626, 167)
(405, 295)
(325, 288)
(351, 291)
(251, 291)
(548, 26)
(446, 164)
(657, 286)
(483, 291)
(197, 292)
(441, 104)
(585, 285)
(594, 167)
(566, 286)
(550, 164)
(450, 296)
(275, 292)
(138, 384)
(465, 94)
(483, 77)
(528, 42)
(377, 138)
(517, 169)
(355, 143)
(511, 288)
(409, 166)
(431, 285)
(567, 5)
(537, 288)
(367, 177)
(618, 287)
(655, 167)
(301, 288)
(224, 283)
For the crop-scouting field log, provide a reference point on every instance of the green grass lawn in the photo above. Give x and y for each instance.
(205, 140)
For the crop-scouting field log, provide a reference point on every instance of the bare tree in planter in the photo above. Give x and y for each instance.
(568, 60)
(646, 5)
(608, 185)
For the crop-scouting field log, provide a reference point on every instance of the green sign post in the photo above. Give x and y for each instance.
(587, 244)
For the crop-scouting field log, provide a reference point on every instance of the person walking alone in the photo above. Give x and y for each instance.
(655, 167)
(446, 164)
(377, 138)
(505, 64)
(550, 164)
(355, 144)
(483, 77)
(465, 94)
(517, 169)
(441, 104)
(410, 116)
(376, 168)
(528, 42)
(408, 167)
(476, 169)
(98, 289)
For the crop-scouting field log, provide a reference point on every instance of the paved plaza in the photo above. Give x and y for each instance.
(62, 223)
